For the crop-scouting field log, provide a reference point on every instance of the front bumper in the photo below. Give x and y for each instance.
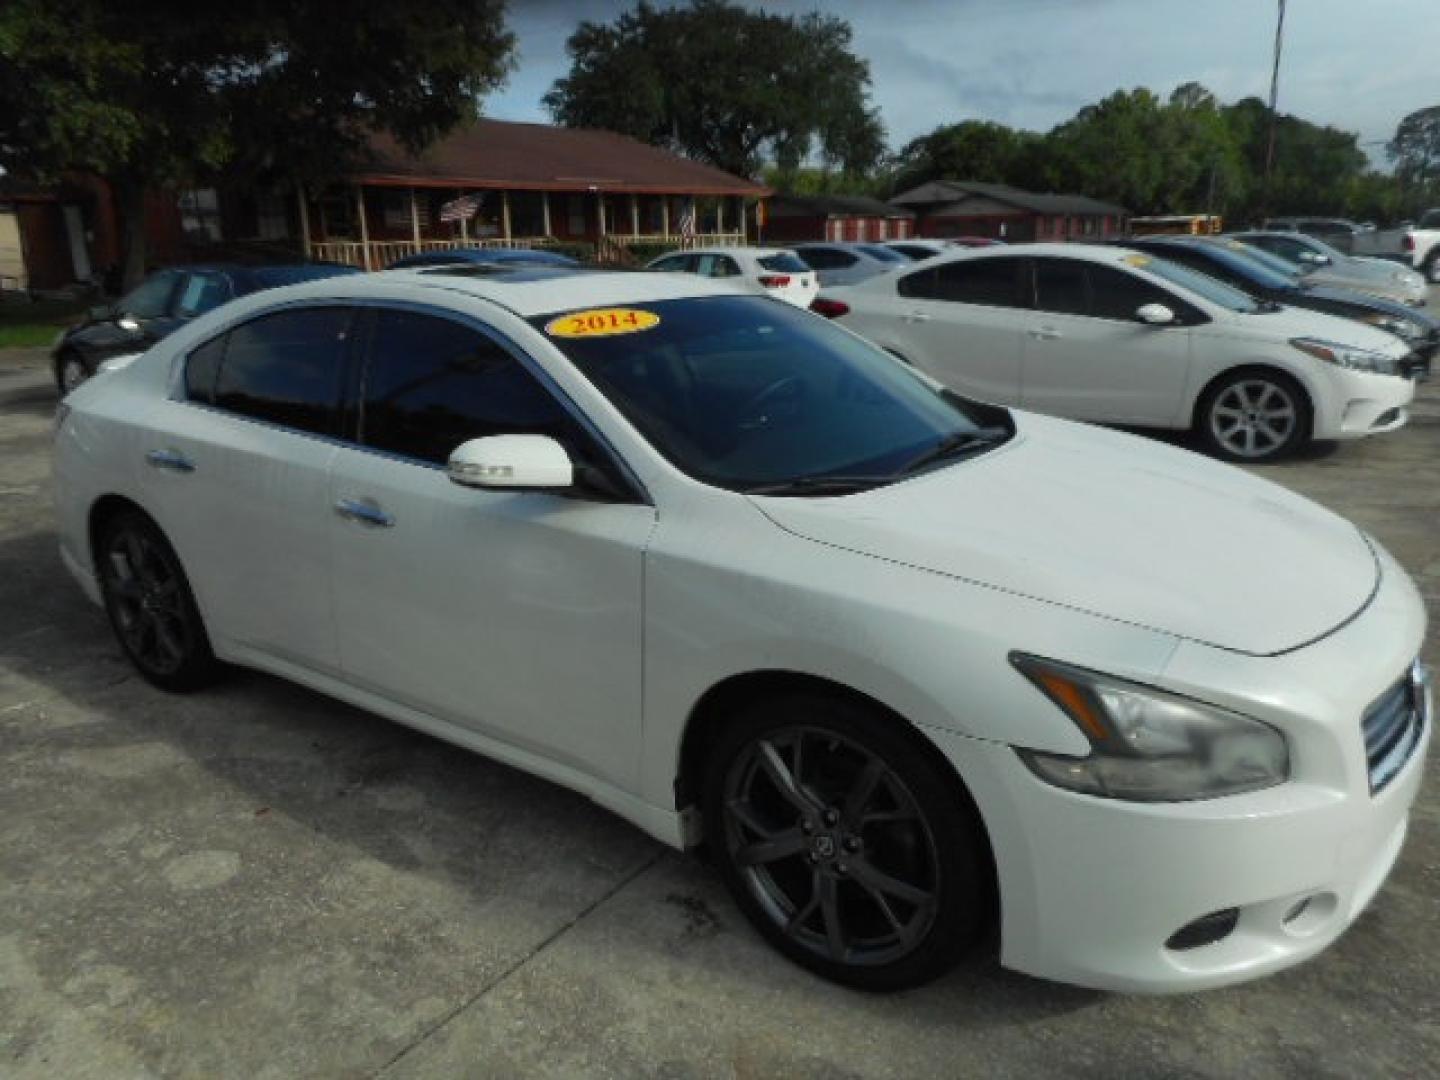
(1092, 889)
(1362, 404)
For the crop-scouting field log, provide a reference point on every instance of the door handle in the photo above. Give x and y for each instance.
(916, 316)
(1045, 333)
(365, 511)
(169, 459)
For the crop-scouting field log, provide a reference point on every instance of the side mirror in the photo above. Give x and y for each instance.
(128, 323)
(1154, 315)
(512, 463)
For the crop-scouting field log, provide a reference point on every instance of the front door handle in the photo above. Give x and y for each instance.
(365, 511)
(1045, 333)
(916, 316)
(169, 459)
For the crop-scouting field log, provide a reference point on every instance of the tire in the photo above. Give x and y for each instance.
(150, 605)
(1253, 415)
(70, 371)
(869, 869)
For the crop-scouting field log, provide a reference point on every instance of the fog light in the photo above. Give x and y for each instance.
(1205, 930)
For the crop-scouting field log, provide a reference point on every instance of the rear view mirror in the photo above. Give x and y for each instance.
(1154, 315)
(512, 463)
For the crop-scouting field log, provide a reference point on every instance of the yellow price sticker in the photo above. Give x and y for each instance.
(1137, 260)
(602, 322)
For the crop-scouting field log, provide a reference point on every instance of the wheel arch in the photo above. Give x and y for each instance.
(1202, 399)
(707, 719)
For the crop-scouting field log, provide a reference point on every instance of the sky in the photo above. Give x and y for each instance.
(1359, 65)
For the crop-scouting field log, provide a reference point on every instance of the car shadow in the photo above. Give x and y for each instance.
(414, 803)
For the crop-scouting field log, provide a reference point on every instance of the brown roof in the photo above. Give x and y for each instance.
(501, 154)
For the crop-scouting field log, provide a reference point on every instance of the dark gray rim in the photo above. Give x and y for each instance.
(832, 845)
(72, 373)
(1253, 418)
(143, 587)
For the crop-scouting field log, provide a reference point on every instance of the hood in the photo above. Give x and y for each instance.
(1117, 526)
(1292, 322)
(1369, 302)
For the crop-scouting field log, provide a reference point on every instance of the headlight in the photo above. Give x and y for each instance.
(1148, 745)
(1346, 356)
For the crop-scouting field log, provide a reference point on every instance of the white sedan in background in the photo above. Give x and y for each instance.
(776, 272)
(1114, 336)
(900, 659)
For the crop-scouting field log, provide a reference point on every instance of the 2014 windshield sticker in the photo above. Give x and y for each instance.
(1137, 260)
(602, 322)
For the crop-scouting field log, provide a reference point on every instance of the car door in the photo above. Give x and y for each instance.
(1088, 357)
(516, 615)
(239, 477)
(960, 322)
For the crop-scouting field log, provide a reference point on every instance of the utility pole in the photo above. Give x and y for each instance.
(1274, 95)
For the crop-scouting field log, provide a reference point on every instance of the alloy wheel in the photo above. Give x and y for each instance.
(832, 845)
(144, 588)
(1253, 418)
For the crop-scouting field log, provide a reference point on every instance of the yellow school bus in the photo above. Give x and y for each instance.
(1177, 225)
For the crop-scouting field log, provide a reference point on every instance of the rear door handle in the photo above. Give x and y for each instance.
(365, 511)
(169, 459)
(1045, 333)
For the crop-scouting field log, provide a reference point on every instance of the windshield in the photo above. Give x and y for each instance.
(743, 392)
(1254, 271)
(884, 254)
(1217, 292)
(1287, 270)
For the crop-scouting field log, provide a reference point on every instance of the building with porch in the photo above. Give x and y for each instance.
(535, 186)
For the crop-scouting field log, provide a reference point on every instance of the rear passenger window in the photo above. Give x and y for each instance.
(433, 384)
(201, 369)
(989, 282)
(286, 368)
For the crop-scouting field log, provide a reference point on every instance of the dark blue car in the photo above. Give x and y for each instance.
(163, 303)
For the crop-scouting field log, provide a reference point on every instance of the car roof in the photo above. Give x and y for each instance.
(527, 291)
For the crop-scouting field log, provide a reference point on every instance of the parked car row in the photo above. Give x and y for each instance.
(911, 666)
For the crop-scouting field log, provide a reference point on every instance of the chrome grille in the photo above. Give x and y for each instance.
(1392, 727)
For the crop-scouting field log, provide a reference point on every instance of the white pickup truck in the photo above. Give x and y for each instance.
(1422, 243)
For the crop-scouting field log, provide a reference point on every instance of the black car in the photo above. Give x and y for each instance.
(163, 303)
(1237, 265)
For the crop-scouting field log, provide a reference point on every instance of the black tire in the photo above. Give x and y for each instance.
(879, 888)
(68, 364)
(150, 605)
(1253, 415)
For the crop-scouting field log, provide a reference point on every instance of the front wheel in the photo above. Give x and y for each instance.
(1254, 416)
(151, 608)
(844, 844)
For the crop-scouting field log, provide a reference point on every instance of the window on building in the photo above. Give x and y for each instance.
(286, 368)
(200, 214)
(433, 384)
(527, 213)
(575, 223)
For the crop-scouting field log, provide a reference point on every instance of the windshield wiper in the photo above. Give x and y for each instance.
(820, 485)
(956, 444)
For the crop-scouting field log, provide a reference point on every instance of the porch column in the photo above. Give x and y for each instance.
(634, 214)
(414, 221)
(665, 214)
(545, 212)
(464, 224)
(304, 219)
(364, 228)
(505, 215)
(720, 214)
(600, 214)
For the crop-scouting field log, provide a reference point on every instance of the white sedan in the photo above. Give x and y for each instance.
(777, 272)
(904, 662)
(1114, 336)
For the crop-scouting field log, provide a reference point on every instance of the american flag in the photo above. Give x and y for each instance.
(462, 209)
(687, 219)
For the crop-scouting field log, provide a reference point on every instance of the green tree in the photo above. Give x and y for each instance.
(725, 85)
(978, 150)
(153, 95)
(1415, 149)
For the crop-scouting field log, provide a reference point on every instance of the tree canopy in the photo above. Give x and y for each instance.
(1415, 149)
(148, 94)
(725, 85)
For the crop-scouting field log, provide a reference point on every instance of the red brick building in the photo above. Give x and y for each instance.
(792, 218)
(946, 208)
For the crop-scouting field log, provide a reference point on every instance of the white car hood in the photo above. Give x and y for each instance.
(1117, 526)
(1293, 322)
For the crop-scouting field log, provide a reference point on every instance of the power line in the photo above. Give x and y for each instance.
(1274, 96)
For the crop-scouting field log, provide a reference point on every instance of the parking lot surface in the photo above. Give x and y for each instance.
(258, 881)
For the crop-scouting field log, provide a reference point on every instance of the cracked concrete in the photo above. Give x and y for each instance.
(258, 882)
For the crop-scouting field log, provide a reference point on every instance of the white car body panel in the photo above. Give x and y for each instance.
(798, 287)
(576, 639)
(1117, 371)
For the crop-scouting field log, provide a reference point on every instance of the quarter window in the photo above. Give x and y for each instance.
(286, 368)
(990, 282)
(201, 369)
(433, 384)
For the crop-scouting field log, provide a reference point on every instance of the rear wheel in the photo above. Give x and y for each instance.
(151, 608)
(1254, 416)
(844, 844)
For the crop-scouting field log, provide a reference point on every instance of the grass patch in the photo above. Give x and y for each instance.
(30, 325)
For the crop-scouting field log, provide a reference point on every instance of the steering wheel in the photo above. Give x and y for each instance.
(784, 391)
